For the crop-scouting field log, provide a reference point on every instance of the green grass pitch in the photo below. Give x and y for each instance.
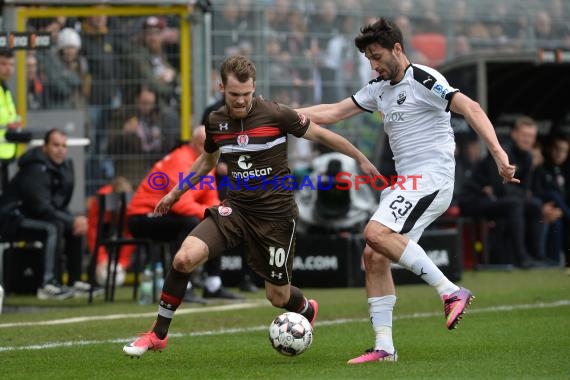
(517, 328)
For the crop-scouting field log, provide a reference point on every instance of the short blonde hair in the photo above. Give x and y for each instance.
(238, 65)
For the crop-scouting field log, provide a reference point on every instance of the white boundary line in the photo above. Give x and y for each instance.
(493, 309)
(236, 306)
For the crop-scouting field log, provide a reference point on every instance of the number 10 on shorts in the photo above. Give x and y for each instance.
(277, 257)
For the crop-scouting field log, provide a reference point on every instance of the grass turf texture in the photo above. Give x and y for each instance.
(517, 328)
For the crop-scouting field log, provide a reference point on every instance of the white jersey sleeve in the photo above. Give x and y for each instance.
(366, 97)
(440, 90)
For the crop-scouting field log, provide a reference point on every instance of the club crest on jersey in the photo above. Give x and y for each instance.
(302, 119)
(224, 210)
(223, 126)
(242, 140)
(401, 98)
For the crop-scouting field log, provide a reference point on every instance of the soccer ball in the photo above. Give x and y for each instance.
(290, 334)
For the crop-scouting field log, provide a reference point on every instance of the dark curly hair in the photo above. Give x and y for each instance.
(383, 32)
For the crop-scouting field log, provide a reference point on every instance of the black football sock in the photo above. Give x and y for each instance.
(299, 304)
(170, 298)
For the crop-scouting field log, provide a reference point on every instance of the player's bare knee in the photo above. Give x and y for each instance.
(374, 262)
(376, 236)
(368, 257)
(276, 296)
(192, 253)
(277, 301)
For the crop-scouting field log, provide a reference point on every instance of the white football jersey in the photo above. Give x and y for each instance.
(416, 120)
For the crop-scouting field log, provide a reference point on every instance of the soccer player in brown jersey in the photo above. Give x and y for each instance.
(259, 211)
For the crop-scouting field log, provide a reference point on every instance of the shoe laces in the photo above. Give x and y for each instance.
(372, 351)
(448, 303)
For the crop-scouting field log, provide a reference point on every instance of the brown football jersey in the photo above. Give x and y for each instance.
(259, 180)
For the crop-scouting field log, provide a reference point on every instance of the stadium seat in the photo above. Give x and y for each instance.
(432, 45)
(111, 224)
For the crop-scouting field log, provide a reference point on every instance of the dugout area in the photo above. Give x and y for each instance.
(509, 85)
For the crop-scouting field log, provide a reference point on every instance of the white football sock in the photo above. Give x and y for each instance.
(213, 283)
(415, 259)
(381, 309)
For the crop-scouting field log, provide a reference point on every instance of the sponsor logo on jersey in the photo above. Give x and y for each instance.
(223, 126)
(242, 140)
(429, 81)
(224, 210)
(278, 275)
(264, 172)
(438, 89)
(401, 98)
(243, 162)
(394, 117)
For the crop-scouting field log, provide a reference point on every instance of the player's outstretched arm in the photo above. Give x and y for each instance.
(202, 166)
(339, 144)
(331, 113)
(478, 120)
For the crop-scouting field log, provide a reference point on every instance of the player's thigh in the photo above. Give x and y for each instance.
(210, 233)
(269, 248)
(409, 212)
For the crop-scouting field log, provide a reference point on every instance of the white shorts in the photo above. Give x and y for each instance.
(409, 212)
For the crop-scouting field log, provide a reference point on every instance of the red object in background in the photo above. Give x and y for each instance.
(92, 219)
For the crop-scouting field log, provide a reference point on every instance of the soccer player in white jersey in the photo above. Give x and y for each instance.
(415, 101)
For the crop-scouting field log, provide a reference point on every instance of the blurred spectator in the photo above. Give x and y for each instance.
(147, 62)
(248, 15)
(52, 25)
(9, 118)
(459, 17)
(461, 46)
(559, 10)
(544, 33)
(342, 58)
(171, 41)
(407, 29)
(66, 72)
(467, 157)
(479, 36)
(550, 185)
(497, 35)
(297, 45)
(35, 88)
(229, 31)
(142, 134)
(280, 86)
(43, 187)
(365, 71)
(277, 16)
(519, 235)
(117, 185)
(99, 50)
(323, 26)
(427, 19)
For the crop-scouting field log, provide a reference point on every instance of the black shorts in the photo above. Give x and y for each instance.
(269, 246)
